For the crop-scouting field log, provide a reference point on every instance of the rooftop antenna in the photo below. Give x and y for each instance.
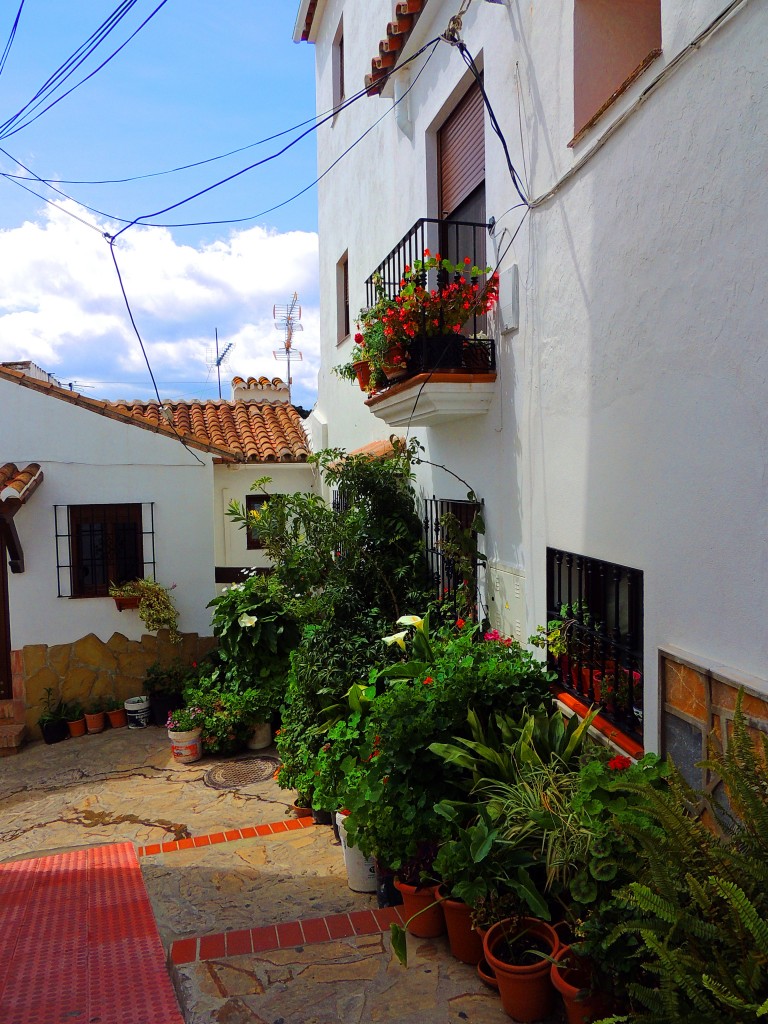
(287, 320)
(220, 358)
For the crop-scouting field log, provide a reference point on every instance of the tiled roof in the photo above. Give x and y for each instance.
(380, 449)
(264, 383)
(405, 16)
(249, 431)
(18, 485)
(239, 431)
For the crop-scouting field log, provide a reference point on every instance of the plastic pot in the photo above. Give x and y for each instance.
(429, 923)
(525, 988)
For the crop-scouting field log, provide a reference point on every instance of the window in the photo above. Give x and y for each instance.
(97, 545)
(342, 299)
(106, 547)
(600, 608)
(338, 66)
(254, 503)
(451, 537)
(613, 43)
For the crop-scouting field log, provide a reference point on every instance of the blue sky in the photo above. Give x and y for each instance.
(197, 81)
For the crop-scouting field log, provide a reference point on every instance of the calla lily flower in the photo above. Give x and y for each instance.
(411, 620)
(396, 638)
(246, 620)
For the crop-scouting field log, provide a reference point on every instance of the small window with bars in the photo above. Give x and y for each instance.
(101, 545)
(595, 624)
(254, 503)
(451, 538)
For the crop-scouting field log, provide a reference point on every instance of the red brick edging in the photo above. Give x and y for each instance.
(290, 825)
(285, 935)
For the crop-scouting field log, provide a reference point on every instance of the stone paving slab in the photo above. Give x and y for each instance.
(353, 981)
(119, 785)
(247, 883)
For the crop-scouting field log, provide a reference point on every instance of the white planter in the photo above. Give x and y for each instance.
(137, 710)
(186, 746)
(361, 871)
(260, 737)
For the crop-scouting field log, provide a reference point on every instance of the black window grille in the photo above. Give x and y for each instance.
(97, 545)
(599, 608)
(453, 573)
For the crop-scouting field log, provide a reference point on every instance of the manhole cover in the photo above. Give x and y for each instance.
(245, 772)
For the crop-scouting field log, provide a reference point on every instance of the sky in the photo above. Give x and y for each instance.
(198, 80)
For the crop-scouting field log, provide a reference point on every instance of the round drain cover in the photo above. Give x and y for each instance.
(244, 772)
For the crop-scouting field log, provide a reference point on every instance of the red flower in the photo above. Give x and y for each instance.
(460, 623)
(619, 763)
(359, 338)
(426, 252)
(407, 269)
(438, 257)
(467, 260)
(428, 681)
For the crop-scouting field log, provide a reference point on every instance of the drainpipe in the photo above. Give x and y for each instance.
(402, 81)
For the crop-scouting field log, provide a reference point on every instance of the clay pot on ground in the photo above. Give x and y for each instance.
(571, 976)
(466, 945)
(77, 728)
(424, 902)
(516, 953)
(95, 721)
(118, 719)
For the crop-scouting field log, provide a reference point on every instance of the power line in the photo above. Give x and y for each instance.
(128, 4)
(11, 37)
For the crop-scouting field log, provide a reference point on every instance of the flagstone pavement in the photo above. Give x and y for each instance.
(252, 905)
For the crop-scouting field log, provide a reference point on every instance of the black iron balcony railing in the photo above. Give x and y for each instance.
(600, 608)
(470, 351)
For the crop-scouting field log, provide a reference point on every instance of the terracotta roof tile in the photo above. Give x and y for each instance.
(19, 484)
(250, 431)
(406, 14)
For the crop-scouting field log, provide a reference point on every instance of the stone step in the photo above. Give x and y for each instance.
(12, 711)
(11, 739)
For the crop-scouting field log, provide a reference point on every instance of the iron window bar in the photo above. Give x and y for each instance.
(442, 568)
(601, 607)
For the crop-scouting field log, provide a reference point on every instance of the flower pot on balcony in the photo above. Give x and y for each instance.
(395, 364)
(363, 373)
(437, 352)
(476, 357)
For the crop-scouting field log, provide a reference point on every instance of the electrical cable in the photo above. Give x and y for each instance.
(143, 350)
(56, 206)
(143, 217)
(11, 37)
(6, 134)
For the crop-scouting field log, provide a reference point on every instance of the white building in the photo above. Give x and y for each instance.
(93, 492)
(625, 425)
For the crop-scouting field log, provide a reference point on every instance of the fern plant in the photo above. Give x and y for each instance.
(700, 911)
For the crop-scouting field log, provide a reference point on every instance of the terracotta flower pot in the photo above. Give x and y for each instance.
(466, 945)
(118, 719)
(570, 975)
(301, 812)
(525, 989)
(77, 728)
(95, 722)
(363, 373)
(486, 975)
(431, 922)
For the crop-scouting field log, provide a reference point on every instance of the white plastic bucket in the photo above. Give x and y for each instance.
(260, 737)
(137, 710)
(361, 871)
(186, 746)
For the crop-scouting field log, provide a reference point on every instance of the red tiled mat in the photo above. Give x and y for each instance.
(285, 935)
(231, 836)
(78, 942)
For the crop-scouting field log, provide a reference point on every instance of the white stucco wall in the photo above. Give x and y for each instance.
(629, 422)
(233, 483)
(87, 458)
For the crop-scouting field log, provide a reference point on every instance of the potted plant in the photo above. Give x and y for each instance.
(116, 713)
(75, 717)
(155, 605)
(51, 721)
(185, 728)
(374, 358)
(164, 685)
(519, 951)
(95, 718)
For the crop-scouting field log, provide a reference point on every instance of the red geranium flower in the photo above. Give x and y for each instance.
(619, 763)
(428, 681)
(460, 623)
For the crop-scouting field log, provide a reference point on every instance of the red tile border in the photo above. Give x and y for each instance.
(289, 933)
(230, 836)
(184, 951)
(608, 729)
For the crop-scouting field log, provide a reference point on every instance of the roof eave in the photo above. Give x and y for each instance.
(307, 20)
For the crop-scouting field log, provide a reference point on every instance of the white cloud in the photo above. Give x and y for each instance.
(61, 306)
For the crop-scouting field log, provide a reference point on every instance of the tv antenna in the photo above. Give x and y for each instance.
(221, 357)
(287, 319)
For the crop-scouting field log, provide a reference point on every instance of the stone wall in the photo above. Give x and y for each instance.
(89, 668)
(698, 700)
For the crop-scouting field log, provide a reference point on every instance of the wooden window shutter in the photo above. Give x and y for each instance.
(461, 151)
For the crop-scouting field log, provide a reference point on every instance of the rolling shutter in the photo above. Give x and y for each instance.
(461, 149)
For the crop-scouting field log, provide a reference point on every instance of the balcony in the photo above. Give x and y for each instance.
(448, 376)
